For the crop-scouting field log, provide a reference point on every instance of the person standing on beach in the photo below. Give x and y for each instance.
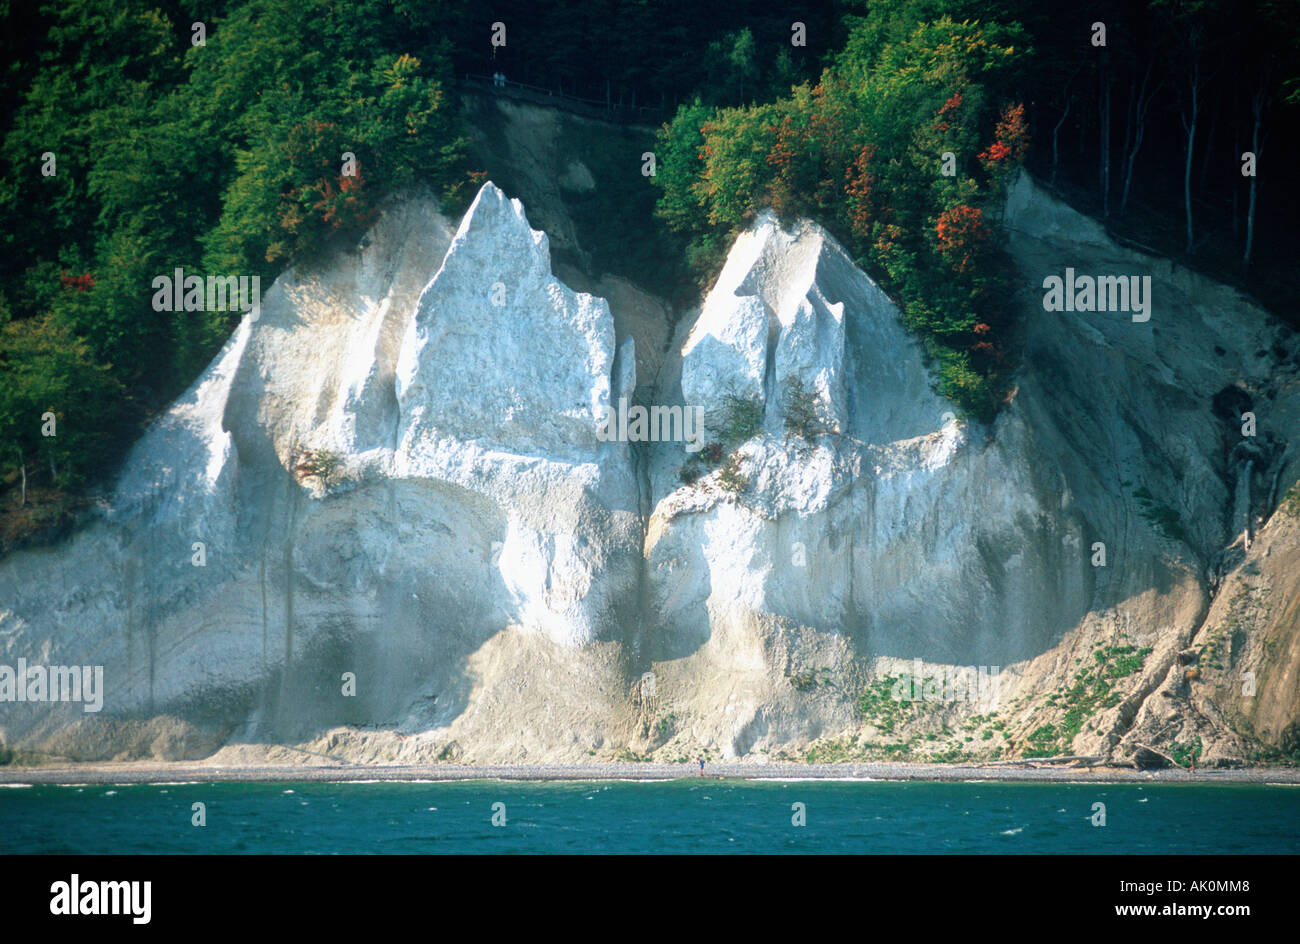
(701, 760)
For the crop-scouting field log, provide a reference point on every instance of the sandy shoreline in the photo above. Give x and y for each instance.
(149, 772)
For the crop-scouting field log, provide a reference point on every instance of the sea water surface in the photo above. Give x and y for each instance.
(677, 816)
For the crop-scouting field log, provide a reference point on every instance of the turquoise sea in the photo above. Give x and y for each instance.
(679, 816)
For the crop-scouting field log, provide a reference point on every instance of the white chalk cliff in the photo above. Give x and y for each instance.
(395, 477)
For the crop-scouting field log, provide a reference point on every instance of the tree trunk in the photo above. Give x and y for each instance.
(1236, 190)
(1103, 119)
(1083, 131)
(1189, 124)
(22, 465)
(1055, 133)
(1256, 145)
(1146, 93)
(1130, 107)
(1209, 144)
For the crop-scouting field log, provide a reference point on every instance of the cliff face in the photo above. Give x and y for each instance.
(1072, 551)
(417, 545)
(386, 471)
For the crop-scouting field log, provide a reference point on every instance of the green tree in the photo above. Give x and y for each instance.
(861, 152)
(227, 157)
(50, 374)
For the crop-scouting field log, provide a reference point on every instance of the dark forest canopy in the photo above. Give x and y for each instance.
(133, 150)
(225, 157)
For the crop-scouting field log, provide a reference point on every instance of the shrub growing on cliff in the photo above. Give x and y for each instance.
(742, 418)
(804, 411)
(320, 464)
(1291, 500)
(730, 479)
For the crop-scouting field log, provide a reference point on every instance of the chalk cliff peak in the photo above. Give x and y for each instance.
(500, 352)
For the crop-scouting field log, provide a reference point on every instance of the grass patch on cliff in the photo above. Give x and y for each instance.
(1185, 755)
(1243, 609)
(880, 709)
(898, 719)
(811, 680)
(1291, 500)
(1162, 516)
(919, 749)
(1286, 753)
(1093, 688)
(742, 419)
